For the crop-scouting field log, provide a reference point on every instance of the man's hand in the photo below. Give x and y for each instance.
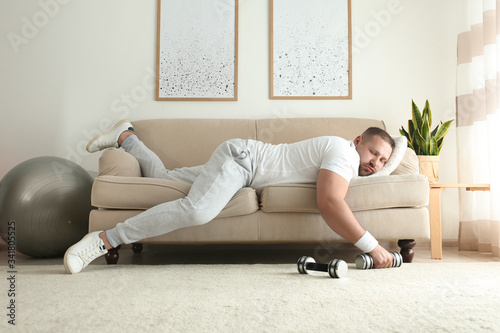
(381, 257)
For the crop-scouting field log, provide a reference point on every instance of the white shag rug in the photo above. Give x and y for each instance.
(417, 297)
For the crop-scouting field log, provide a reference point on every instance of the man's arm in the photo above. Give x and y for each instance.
(330, 197)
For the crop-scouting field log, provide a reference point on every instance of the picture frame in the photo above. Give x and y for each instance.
(310, 49)
(197, 50)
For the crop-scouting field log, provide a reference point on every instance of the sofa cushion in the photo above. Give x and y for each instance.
(365, 193)
(141, 193)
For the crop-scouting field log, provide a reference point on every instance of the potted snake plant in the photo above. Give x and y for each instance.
(427, 144)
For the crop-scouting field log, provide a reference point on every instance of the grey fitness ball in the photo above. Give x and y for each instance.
(44, 206)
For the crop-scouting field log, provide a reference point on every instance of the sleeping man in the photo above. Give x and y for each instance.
(330, 162)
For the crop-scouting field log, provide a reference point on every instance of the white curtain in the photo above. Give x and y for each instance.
(478, 123)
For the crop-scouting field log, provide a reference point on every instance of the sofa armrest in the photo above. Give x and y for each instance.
(408, 165)
(117, 162)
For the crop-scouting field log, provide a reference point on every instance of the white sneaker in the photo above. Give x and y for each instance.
(78, 256)
(109, 139)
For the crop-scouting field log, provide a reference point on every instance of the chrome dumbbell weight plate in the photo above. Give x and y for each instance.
(365, 260)
(302, 263)
(398, 259)
(337, 268)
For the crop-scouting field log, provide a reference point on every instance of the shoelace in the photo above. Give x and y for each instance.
(90, 253)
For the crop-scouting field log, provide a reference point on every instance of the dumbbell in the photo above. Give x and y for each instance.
(365, 260)
(336, 268)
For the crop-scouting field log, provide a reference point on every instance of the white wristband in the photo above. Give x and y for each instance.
(366, 243)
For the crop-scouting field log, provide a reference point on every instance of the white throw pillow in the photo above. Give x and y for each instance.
(396, 157)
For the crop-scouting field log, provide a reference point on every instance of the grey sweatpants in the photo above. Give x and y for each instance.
(213, 185)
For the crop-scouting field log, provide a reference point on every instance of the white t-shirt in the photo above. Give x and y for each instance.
(301, 161)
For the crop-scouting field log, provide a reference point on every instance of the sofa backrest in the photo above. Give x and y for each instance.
(287, 130)
(190, 142)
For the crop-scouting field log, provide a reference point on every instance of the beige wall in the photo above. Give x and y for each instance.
(71, 68)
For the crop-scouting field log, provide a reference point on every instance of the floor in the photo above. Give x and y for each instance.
(249, 254)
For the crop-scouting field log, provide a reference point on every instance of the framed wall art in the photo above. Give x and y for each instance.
(197, 50)
(310, 49)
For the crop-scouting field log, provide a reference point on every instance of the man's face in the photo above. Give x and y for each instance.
(373, 154)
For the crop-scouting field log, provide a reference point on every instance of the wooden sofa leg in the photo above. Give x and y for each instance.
(407, 246)
(112, 256)
(137, 248)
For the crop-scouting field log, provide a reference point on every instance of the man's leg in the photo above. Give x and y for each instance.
(228, 170)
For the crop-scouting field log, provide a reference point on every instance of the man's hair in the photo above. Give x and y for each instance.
(372, 131)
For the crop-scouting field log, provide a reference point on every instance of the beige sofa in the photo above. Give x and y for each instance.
(390, 207)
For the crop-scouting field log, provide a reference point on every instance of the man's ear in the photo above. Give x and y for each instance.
(357, 140)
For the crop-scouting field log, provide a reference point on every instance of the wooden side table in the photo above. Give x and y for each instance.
(435, 213)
